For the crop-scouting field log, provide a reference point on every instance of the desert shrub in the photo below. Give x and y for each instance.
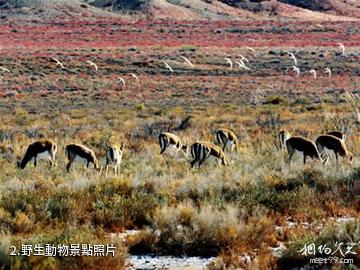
(302, 101)
(188, 48)
(114, 203)
(276, 100)
(59, 206)
(140, 107)
(117, 203)
(283, 195)
(98, 140)
(21, 117)
(206, 231)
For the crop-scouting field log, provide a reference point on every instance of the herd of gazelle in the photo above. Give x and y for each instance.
(46, 149)
(200, 151)
(333, 141)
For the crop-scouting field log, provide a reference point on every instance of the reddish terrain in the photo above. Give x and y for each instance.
(114, 33)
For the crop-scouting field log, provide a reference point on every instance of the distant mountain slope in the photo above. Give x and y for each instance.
(121, 4)
(199, 9)
(187, 9)
(349, 8)
(291, 11)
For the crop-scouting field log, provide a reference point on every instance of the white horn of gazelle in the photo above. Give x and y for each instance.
(187, 61)
(250, 49)
(328, 71)
(293, 58)
(136, 77)
(313, 72)
(123, 82)
(296, 70)
(342, 47)
(43, 149)
(58, 63)
(78, 152)
(168, 66)
(242, 64)
(114, 155)
(3, 69)
(307, 147)
(228, 60)
(201, 151)
(243, 58)
(91, 63)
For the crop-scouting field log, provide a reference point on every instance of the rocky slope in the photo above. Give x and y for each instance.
(332, 10)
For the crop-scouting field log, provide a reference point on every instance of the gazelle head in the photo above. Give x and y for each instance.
(222, 156)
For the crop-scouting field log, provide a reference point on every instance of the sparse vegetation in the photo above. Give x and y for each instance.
(217, 212)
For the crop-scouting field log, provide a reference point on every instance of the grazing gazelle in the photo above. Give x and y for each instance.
(225, 137)
(200, 151)
(167, 139)
(283, 136)
(307, 147)
(114, 155)
(78, 152)
(43, 149)
(335, 144)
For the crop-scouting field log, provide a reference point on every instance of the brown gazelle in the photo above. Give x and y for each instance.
(335, 144)
(78, 152)
(167, 139)
(201, 151)
(307, 147)
(114, 155)
(284, 135)
(43, 149)
(226, 137)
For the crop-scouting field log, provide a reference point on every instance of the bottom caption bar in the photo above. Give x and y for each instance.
(61, 250)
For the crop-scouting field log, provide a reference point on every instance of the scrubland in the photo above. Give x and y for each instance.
(222, 211)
